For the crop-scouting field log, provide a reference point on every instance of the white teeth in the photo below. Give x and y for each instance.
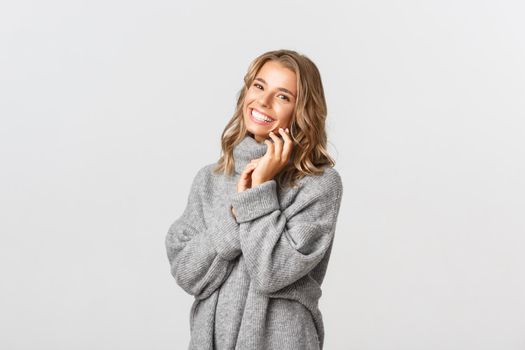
(260, 116)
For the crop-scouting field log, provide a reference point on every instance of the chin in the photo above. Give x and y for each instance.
(256, 134)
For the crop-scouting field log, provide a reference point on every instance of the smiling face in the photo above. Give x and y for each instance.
(270, 100)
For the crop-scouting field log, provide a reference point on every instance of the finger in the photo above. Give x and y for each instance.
(249, 167)
(245, 173)
(270, 149)
(288, 145)
(285, 133)
(278, 145)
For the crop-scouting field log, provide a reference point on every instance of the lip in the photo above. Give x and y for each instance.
(261, 113)
(259, 121)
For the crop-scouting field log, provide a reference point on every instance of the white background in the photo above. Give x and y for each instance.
(109, 108)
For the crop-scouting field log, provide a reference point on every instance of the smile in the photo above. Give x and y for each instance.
(260, 118)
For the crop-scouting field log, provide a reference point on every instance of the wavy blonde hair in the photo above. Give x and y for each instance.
(307, 130)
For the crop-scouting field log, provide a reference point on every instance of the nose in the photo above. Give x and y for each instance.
(264, 99)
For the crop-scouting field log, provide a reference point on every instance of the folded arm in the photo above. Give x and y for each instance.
(201, 254)
(280, 247)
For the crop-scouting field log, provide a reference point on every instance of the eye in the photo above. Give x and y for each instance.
(257, 85)
(285, 97)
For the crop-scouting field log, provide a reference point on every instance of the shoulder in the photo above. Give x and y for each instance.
(204, 171)
(201, 176)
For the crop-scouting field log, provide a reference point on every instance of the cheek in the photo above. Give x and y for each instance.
(285, 113)
(250, 94)
(248, 99)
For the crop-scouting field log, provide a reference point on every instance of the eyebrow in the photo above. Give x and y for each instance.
(280, 88)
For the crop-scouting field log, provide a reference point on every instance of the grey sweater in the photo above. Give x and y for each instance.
(256, 278)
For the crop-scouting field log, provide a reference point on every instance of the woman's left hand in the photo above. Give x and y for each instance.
(275, 159)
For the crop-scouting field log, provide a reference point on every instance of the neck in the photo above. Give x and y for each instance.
(258, 138)
(246, 150)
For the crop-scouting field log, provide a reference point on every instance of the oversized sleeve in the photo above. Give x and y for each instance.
(201, 253)
(280, 247)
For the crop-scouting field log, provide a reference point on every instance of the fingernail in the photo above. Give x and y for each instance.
(287, 130)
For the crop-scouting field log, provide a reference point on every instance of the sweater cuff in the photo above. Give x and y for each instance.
(256, 201)
(224, 234)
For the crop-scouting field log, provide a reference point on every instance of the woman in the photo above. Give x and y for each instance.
(253, 243)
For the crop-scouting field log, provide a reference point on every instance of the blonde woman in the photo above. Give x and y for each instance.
(253, 243)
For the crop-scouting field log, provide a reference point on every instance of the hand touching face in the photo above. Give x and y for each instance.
(275, 159)
(262, 169)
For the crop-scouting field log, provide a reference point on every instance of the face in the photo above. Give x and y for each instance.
(270, 100)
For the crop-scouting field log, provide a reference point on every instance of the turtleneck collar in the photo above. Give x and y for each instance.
(246, 150)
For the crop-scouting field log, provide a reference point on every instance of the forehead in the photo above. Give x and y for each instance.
(275, 74)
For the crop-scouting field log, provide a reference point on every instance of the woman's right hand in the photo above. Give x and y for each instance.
(245, 179)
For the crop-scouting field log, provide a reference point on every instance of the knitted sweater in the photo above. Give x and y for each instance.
(256, 277)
